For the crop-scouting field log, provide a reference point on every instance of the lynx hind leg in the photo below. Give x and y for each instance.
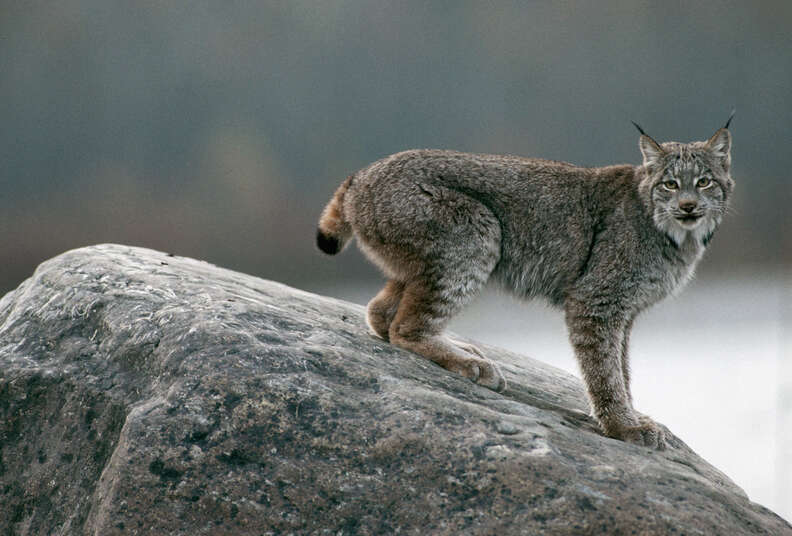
(382, 308)
(466, 346)
(423, 313)
(442, 245)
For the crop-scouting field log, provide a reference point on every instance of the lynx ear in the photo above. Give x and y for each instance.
(651, 151)
(720, 143)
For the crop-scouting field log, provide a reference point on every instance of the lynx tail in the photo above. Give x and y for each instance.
(334, 231)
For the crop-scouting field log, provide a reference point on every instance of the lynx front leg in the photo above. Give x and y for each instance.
(598, 340)
(625, 358)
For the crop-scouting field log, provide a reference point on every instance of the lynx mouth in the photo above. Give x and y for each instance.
(689, 219)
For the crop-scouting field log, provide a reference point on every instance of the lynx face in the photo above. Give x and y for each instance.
(688, 185)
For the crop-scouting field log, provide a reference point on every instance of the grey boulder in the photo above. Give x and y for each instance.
(142, 393)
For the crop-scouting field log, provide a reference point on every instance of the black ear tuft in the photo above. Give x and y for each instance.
(734, 111)
(639, 128)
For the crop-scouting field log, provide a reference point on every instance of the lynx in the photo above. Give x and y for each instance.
(602, 243)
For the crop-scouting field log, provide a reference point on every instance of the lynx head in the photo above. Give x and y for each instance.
(687, 186)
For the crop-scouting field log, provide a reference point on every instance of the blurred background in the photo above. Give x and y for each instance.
(218, 130)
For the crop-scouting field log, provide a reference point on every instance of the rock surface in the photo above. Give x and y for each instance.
(142, 393)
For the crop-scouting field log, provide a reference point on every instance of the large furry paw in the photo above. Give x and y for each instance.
(647, 433)
(487, 373)
(490, 376)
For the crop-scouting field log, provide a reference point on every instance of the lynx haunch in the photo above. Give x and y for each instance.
(603, 244)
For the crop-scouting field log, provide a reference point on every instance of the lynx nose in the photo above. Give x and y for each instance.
(688, 205)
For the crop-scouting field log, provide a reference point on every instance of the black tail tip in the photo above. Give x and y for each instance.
(328, 244)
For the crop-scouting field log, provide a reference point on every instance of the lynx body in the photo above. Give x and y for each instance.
(603, 244)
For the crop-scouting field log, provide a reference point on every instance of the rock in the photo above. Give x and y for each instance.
(142, 393)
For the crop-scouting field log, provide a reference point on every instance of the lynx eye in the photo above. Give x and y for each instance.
(704, 182)
(670, 185)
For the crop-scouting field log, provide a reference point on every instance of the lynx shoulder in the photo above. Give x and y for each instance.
(602, 244)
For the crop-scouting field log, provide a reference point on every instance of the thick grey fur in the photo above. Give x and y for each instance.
(603, 244)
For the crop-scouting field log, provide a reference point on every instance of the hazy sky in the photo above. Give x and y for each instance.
(219, 129)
